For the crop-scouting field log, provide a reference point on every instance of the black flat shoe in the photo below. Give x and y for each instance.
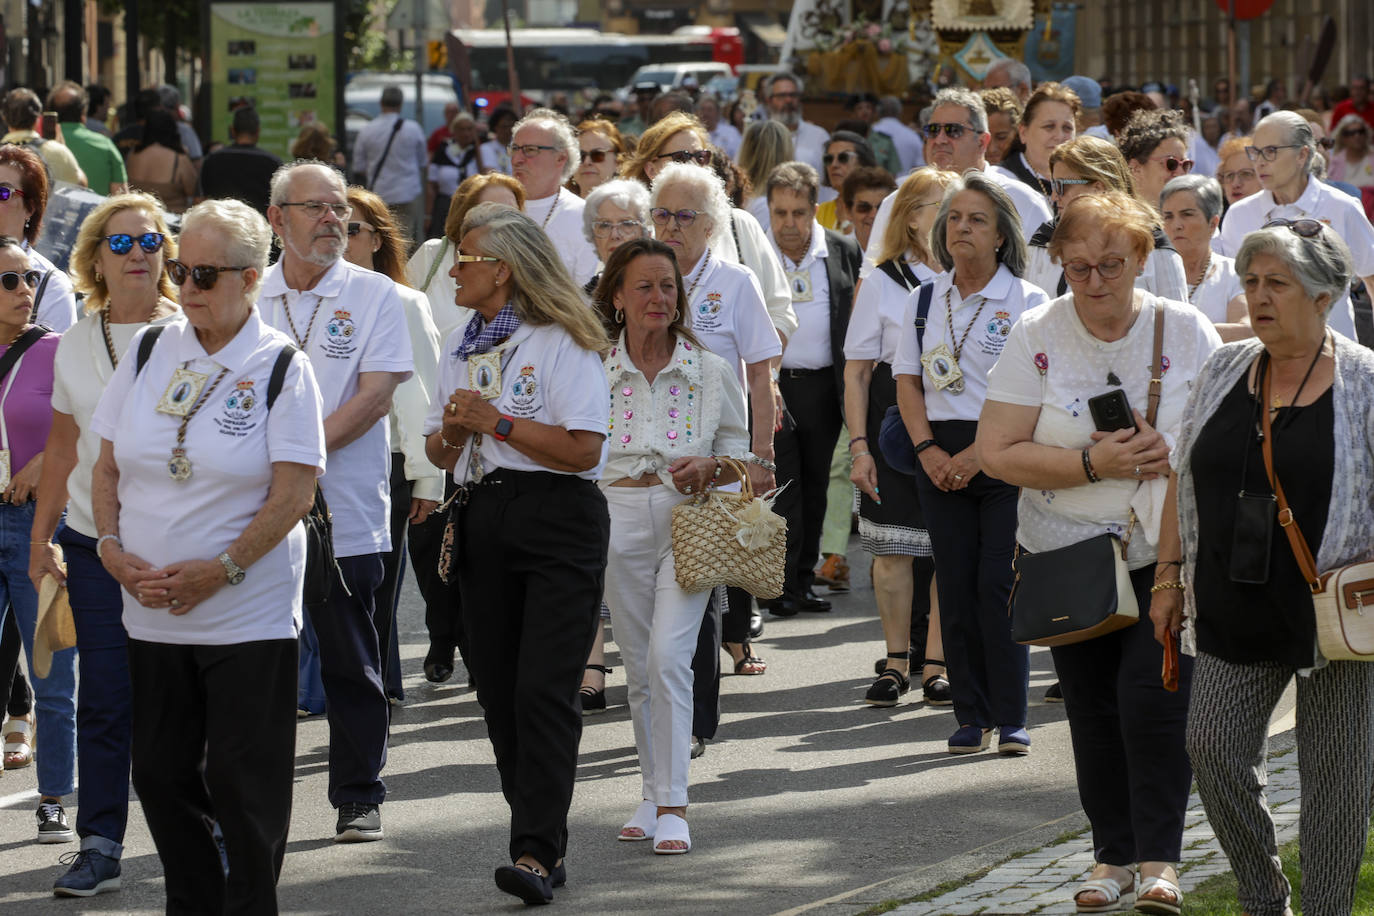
(438, 664)
(781, 607)
(523, 882)
(812, 602)
(559, 876)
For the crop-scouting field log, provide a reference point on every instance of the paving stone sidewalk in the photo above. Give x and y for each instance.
(1043, 882)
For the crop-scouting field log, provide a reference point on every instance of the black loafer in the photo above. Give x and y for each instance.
(438, 664)
(532, 888)
(781, 607)
(812, 602)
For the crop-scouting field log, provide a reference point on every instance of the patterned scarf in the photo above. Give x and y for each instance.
(480, 335)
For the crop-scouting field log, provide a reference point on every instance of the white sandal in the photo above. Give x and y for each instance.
(671, 828)
(644, 820)
(23, 747)
(1118, 895)
(1171, 907)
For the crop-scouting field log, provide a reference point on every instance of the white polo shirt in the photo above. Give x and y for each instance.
(232, 443)
(410, 402)
(81, 371)
(1002, 300)
(808, 142)
(545, 377)
(1219, 286)
(758, 255)
(1341, 212)
(57, 309)
(729, 317)
(809, 345)
(360, 327)
(564, 228)
(1030, 207)
(875, 326)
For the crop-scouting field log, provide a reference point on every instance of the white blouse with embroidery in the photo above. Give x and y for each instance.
(694, 406)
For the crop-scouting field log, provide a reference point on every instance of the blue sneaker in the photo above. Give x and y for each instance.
(91, 872)
(970, 739)
(1012, 742)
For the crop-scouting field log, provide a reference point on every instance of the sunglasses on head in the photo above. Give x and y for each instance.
(699, 156)
(6, 192)
(10, 279)
(953, 131)
(123, 242)
(1306, 228)
(1059, 185)
(597, 155)
(204, 276)
(843, 158)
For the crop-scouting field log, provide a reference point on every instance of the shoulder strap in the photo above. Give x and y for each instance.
(1156, 366)
(145, 346)
(1301, 552)
(38, 296)
(386, 149)
(924, 298)
(900, 273)
(434, 268)
(279, 368)
(16, 350)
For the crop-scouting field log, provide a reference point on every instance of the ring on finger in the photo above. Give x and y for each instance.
(1137, 470)
(176, 603)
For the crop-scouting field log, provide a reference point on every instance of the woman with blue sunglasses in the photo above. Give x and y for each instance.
(119, 264)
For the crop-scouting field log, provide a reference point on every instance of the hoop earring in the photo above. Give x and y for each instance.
(677, 313)
(619, 316)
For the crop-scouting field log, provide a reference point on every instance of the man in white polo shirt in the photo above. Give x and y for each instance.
(957, 138)
(543, 155)
(351, 324)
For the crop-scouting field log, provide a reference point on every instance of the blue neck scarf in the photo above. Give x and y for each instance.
(480, 335)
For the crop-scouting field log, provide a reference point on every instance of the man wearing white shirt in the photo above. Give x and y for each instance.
(782, 94)
(1284, 156)
(390, 152)
(910, 147)
(723, 133)
(958, 138)
(543, 156)
(495, 153)
(352, 326)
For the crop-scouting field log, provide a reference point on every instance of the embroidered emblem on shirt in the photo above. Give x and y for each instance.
(523, 392)
(241, 400)
(340, 335)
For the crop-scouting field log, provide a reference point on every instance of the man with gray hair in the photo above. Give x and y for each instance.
(543, 155)
(782, 94)
(910, 148)
(1011, 74)
(956, 139)
(352, 326)
(389, 157)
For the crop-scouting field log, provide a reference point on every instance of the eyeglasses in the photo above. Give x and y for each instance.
(684, 218)
(1079, 271)
(598, 155)
(528, 150)
(355, 227)
(6, 191)
(844, 158)
(1174, 164)
(10, 280)
(123, 242)
(316, 209)
(205, 276)
(684, 156)
(1326, 143)
(459, 258)
(603, 228)
(1237, 175)
(1306, 228)
(863, 207)
(1268, 153)
(953, 131)
(1059, 185)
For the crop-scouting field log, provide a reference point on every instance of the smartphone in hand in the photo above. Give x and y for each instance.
(1111, 411)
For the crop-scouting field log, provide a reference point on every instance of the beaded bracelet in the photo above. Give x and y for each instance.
(1088, 468)
(1172, 584)
(857, 439)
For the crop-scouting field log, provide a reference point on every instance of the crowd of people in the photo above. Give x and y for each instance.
(508, 350)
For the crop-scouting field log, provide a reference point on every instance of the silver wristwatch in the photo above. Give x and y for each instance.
(232, 570)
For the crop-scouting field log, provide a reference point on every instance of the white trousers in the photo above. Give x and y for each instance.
(656, 625)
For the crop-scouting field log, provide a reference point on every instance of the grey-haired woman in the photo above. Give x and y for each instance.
(615, 213)
(1253, 629)
(1190, 210)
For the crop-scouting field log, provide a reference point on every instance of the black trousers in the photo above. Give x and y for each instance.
(1128, 738)
(532, 569)
(706, 661)
(199, 759)
(973, 532)
(804, 447)
(388, 596)
(20, 697)
(443, 607)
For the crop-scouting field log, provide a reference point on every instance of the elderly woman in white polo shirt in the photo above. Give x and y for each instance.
(212, 437)
(519, 417)
(1285, 156)
(942, 380)
(1190, 210)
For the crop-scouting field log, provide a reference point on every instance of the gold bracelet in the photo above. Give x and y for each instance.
(47, 543)
(1172, 584)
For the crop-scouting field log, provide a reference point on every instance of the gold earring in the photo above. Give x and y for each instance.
(99, 276)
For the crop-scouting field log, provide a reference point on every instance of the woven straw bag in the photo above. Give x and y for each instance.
(729, 539)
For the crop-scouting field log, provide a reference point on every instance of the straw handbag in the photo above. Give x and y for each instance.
(730, 539)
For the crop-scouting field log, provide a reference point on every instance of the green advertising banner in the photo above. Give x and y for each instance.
(279, 58)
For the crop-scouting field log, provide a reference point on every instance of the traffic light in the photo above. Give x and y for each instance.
(438, 55)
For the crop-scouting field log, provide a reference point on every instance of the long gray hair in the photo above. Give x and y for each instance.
(1012, 251)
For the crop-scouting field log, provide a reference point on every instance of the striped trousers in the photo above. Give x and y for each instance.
(1227, 740)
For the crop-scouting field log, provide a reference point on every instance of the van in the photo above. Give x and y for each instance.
(671, 76)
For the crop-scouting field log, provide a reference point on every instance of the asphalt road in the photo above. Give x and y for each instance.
(807, 801)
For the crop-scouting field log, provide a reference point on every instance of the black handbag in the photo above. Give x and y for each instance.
(322, 573)
(1084, 590)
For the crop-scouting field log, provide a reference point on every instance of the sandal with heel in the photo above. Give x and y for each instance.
(18, 752)
(1117, 895)
(593, 700)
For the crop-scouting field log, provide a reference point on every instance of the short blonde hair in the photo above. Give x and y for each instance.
(656, 136)
(245, 233)
(86, 278)
(766, 145)
(1103, 215)
(899, 237)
